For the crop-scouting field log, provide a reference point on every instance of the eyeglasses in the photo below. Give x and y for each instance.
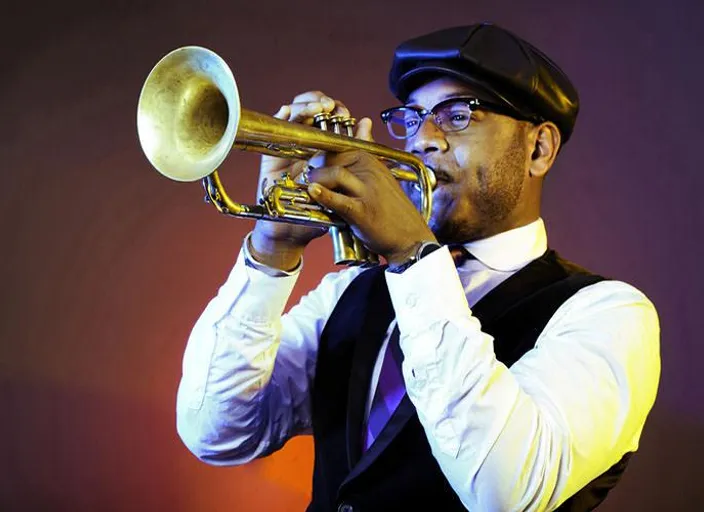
(451, 115)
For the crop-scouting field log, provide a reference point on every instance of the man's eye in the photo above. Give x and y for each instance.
(410, 123)
(459, 119)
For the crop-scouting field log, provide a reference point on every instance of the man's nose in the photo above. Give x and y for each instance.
(428, 139)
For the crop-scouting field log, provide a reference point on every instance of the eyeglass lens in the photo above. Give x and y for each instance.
(404, 122)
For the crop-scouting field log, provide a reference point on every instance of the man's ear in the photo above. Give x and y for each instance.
(547, 144)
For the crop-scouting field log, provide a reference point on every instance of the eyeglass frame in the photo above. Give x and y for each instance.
(472, 102)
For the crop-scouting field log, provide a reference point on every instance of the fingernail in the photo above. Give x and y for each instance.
(327, 102)
(314, 189)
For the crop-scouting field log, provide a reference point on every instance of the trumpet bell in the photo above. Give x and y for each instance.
(188, 113)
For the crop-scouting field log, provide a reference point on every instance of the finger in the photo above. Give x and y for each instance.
(363, 129)
(341, 110)
(329, 105)
(337, 178)
(299, 171)
(305, 112)
(351, 160)
(309, 96)
(346, 207)
(274, 164)
(283, 113)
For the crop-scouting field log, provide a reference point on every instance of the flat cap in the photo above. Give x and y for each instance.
(494, 61)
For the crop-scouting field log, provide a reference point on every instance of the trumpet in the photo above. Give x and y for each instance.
(189, 118)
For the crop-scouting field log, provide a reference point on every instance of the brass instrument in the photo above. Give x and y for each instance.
(189, 118)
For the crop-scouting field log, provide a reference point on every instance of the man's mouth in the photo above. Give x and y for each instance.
(441, 177)
(440, 174)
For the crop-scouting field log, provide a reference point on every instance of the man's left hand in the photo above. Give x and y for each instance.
(362, 191)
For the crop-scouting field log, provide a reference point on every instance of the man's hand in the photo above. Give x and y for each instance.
(360, 189)
(278, 244)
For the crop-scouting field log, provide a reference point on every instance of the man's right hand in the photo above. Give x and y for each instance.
(279, 244)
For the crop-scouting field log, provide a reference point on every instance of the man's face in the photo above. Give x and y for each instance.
(480, 170)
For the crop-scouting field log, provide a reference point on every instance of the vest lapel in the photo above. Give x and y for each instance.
(499, 301)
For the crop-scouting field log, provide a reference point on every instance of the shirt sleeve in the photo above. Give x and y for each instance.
(528, 437)
(247, 368)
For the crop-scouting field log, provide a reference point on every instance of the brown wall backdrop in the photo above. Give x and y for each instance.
(105, 265)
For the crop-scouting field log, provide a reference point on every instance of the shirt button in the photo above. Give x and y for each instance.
(345, 507)
(420, 375)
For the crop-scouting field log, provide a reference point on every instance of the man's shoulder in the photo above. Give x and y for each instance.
(555, 259)
(606, 281)
(597, 287)
(597, 291)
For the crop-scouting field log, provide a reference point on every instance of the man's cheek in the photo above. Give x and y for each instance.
(463, 156)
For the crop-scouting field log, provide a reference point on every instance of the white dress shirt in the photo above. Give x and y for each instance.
(524, 438)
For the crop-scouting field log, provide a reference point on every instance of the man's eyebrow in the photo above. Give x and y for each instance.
(411, 101)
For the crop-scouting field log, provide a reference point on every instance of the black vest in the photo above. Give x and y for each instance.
(399, 471)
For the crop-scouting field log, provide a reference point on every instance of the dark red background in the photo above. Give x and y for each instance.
(106, 265)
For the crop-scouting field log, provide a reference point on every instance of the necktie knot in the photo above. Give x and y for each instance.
(459, 254)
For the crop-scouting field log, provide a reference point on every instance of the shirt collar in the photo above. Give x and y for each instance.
(511, 250)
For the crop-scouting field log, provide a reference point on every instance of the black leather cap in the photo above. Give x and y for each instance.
(500, 65)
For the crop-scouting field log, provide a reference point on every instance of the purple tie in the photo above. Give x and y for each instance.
(390, 389)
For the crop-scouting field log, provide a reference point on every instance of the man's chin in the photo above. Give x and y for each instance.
(448, 229)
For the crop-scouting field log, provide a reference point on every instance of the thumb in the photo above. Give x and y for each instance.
(364, 129)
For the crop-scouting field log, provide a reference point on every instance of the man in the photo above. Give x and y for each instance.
(514, 381)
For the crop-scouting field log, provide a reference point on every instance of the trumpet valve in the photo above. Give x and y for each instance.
(321, 121)
(349, 124)
(336, 124)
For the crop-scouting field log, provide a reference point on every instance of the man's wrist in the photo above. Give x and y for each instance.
(274, 254)
(419, 251)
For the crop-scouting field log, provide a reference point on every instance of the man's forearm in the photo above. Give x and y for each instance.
(227, 367)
